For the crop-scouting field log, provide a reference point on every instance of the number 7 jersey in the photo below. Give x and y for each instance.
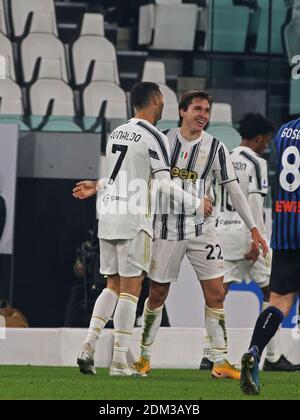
(135, 151)
(286, 222)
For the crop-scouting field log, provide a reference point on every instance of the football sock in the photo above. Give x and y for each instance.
(123, 322)
(216, 330)
(151, 324)
(273, 353)
(265, 329)
(206, 352)
(103, 311)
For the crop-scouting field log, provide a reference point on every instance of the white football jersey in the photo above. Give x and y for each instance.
(252, 172)
(135, 152)
(194, 166)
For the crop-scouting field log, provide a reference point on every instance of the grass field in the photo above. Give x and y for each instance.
(50, 383)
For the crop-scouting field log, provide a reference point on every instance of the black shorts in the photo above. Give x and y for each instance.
(285, 275)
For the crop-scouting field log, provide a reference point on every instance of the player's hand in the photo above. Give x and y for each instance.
(85, 189)
(253, 253)
(259, 241)
(208, 208)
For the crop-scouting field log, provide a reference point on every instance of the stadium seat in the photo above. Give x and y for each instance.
(162, 24)
(22, 10)
(92, 46)
(260, 24)
(50, 95)
(96, 93)
(202, 40)
(229, 29)
(221, 114)
(7, 52)
(296, 9)
(41, 43)
(292, 39)
(3, 26)
(154, 71)
(10, 98)
(228, 135)
(280, 12)
(2, 67)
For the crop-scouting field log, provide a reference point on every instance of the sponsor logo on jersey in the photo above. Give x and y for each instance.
(184, 174)
(287, 207)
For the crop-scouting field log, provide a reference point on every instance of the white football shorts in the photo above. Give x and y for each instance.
(259, 272)
(128, 258)
(203, 252)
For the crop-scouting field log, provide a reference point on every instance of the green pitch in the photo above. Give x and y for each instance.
(48, 383)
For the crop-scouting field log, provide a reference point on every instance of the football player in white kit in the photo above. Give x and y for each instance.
(137, 152)
(252, 171)
(195, 156)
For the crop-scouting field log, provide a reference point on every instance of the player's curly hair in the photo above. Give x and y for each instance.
(253, 125)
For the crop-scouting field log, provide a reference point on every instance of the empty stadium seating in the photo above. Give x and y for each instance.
(21, 10)
(92, 45)
(168, 25)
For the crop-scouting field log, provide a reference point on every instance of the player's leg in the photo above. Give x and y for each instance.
(284, 286)
(205, 256)
(275, 360)
(165, 266)
(124, 317)
(216, 328)
(104, 306)
(152, 316)
(265, 329)
(229, 273)
(134, 261)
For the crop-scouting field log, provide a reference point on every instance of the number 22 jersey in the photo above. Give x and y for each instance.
(286, 223)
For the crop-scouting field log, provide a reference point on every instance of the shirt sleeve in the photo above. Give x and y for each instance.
(259, 178)
(159, 153)
(223, 166)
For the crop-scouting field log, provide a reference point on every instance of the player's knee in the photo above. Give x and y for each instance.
(157, 295)
(215, 299)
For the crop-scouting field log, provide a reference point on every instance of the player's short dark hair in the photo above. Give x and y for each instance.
(253, 125)
(188, 97)
(142, 93)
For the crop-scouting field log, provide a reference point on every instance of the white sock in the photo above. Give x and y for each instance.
(123, 322)
(216, 331)
(103, 311)
(151, 324)
(206, 352)
(273, 353)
